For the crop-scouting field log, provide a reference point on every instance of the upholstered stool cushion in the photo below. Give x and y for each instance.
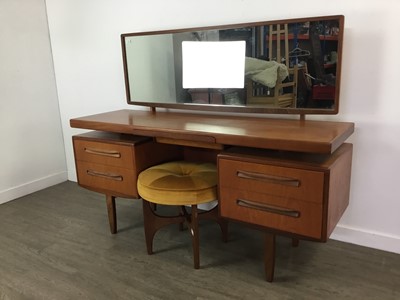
(179, 183)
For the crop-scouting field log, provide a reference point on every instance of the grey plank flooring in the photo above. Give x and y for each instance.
(56, 244)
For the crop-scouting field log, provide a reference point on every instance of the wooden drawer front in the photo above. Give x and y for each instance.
(284, 182)
(104, 153)
(285, 214)
(118, 181)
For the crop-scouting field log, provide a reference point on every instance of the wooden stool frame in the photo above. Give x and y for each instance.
(154, 221)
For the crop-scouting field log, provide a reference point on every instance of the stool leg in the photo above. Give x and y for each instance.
(224, 229)
(149, 230)
(181, 213)
(194, 231)
(153, 222)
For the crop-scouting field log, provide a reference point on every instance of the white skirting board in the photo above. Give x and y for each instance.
(371, 239)
(32, 186)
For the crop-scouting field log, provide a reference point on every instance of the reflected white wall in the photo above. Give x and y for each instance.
(151, 68)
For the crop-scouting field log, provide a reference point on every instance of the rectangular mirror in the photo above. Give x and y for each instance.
(284, 67)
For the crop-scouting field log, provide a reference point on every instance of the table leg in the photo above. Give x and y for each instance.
(112, 217)
(269, 258)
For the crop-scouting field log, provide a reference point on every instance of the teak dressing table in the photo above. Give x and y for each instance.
(283, 176)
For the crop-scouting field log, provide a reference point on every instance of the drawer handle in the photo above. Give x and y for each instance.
(105, 175)
(268, 208)
(109, 153)
(269, 178)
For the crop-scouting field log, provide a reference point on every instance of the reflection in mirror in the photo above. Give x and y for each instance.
(288, 66)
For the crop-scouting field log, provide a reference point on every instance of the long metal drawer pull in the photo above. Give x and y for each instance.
(268, 208)
(109, 153)
(105, 175)
(269, 178)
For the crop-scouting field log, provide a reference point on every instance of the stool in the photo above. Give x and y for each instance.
(179, 183)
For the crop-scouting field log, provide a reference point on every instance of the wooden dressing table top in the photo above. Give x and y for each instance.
(278, 134)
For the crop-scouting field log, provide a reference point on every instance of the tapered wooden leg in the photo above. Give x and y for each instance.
(194, 231)
(149, 230)
(269, 259)
(181, 213)
(224, 229)
(112, 215)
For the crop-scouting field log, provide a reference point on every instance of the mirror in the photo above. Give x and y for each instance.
(285, 67)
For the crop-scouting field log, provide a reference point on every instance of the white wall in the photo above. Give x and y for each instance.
(88, 66)
(32, 149)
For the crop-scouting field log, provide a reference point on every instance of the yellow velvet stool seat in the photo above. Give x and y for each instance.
(179, 183)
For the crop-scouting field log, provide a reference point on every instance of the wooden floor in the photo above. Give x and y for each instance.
(55, 244)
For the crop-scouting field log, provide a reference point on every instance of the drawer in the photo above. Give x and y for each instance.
(107, 179)
(104, 153)
(285, 182)
(280, 213)
(109, 163)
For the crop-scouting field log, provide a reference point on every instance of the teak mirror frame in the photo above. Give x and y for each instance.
(241, 108)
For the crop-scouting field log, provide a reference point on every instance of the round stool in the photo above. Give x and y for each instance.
(179, 183)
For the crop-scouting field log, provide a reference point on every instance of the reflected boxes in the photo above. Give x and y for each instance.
(217, 96)
(323, 92)
(206, 96)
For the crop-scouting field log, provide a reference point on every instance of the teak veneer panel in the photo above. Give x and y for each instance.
(279, 134)
(100, 171)
(321, 197)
